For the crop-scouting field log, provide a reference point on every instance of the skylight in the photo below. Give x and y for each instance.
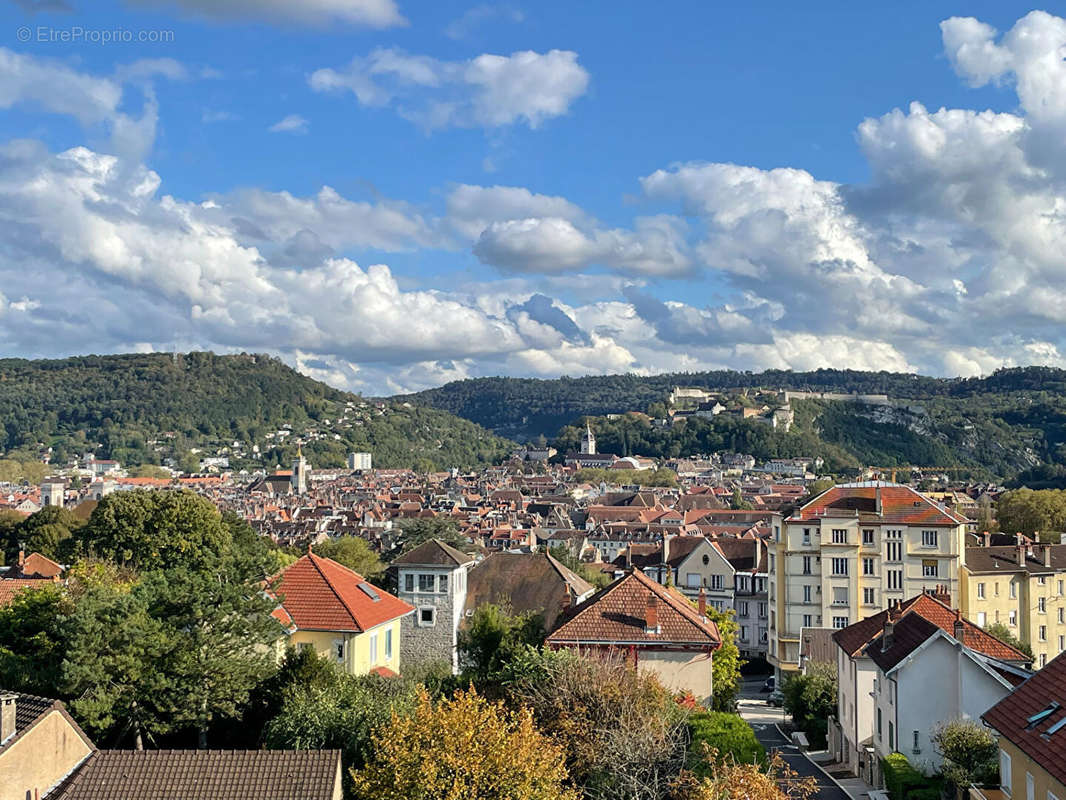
(1040, 716)
(369, 591)
(1056, 727)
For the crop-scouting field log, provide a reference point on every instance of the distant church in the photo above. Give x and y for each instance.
(588, 441)
(299, 472)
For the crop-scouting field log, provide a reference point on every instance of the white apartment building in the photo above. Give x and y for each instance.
(851, 551)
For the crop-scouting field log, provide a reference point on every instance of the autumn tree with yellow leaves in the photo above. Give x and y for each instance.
(465, 748)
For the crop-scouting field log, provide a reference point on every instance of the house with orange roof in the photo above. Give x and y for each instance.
(903, 670)
(653, 627)
(326, 607)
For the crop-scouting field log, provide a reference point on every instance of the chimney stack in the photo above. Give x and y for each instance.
(877, 499)
(1021, 554)
(958, 627)
(1019, 539)
(22, 557)
(651, 614)
(8, 703)
(702, 602)
(888, 633)
(1047, 556)
(987, 537)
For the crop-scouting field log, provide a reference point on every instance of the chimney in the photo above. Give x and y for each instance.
(1021, 554)
(702, 602)
(1047, 556)
(877, 499)
(666, 548)
(987, 537)
(629, 555)
(888, 633)
(1019, 539)
(7, 715)
(22, 557)
(958, 627)
(651, 614)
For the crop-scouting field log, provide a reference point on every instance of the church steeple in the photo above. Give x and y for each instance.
(588, 441)
(299, 471)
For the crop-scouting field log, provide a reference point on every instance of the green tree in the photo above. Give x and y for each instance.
(986, 519)
(46, 532)
(114, 666)
(355, 553)
(464, 748)
(1003, 633)
(155, 530)
(493, 637)
(726, 665)
(969, 750)
(148, 471)
(738, 503)
(414, 532)
(817, 487)
(1031, 512)
(33, 641)
(597, 577)
(811, 698)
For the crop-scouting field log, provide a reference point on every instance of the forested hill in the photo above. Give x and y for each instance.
(1007, 422)
(141, 409)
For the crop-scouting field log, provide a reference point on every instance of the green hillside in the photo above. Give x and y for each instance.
(1003, 424)
(143, 409)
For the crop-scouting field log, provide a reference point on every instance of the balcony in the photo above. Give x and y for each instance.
(986, 793)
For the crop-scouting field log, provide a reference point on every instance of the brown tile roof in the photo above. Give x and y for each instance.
(525, 582)
(434, 553)
(616, 614)
(30, 708)
(9, 587)
(37, 566)
(320, 594)
(204, 775)
(1010, 716)
(854, 638)
(1005, 559)
(899, 504)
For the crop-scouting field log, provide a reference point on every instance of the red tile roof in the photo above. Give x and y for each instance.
(9, 587)
(319, 594)
(1010, 716)
(616, 614)
(901, 505)
(854, 638)
(37, 565)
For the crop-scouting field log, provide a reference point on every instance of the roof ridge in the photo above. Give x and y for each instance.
(311, 556)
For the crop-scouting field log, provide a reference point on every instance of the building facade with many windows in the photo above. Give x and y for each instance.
(852, 550)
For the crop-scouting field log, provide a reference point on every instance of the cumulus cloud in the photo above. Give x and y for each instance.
(476, 16)
(317, 13)
(488, 91)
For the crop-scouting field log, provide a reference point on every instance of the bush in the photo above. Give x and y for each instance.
(929, 793)
(900, 777)
(811, 698)
(727, 734)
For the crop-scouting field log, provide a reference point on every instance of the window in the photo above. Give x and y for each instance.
(807, 594)
(1005, 782)
(1030, 789)
(762, 610)
(995, 588)
(895, 578)
(840, 622)
(894, 545)
(338, 650)
(878, 724)
(303, 647)
(427, 617)
(928, 538)
(1042, 580)
(840, 536)
(807, 621)
(840, 566)
(929, 567)
(981, 590)
(1060, 588)
(806, 565)
(916, 748)
(716, 582)
(388, 645)
(867, 566)
(442, 584)
(806, 536)
(1041, 605)
(1043, 633)
(1062, 611)
(840, 595)
(1043, 660)
(409, 582)
(1062, 643)
(742, 608)
(743, 633)
(891, 735)
(1013, 590)
(692, 580)
(981, 619)
(772, 560)
(373, 648)
(869, 596)
(1012, 618)
(425, 583)
(868, 536)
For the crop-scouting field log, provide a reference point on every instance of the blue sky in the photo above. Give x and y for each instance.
(391, 195)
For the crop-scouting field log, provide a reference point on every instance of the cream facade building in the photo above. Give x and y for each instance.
(850, 552)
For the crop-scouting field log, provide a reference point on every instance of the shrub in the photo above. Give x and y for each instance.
(811, 698)
(727, 734)
(900, 776)
(969, 750)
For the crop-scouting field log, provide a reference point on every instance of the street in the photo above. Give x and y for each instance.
(763, 720)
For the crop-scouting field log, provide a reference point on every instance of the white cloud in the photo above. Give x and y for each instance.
(476, 16)
(293, 123)
(487, 91)
(316, 13)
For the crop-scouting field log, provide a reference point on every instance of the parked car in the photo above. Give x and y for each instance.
(776, 698)
(770, 684)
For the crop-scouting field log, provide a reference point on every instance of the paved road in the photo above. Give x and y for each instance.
(763, 719)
